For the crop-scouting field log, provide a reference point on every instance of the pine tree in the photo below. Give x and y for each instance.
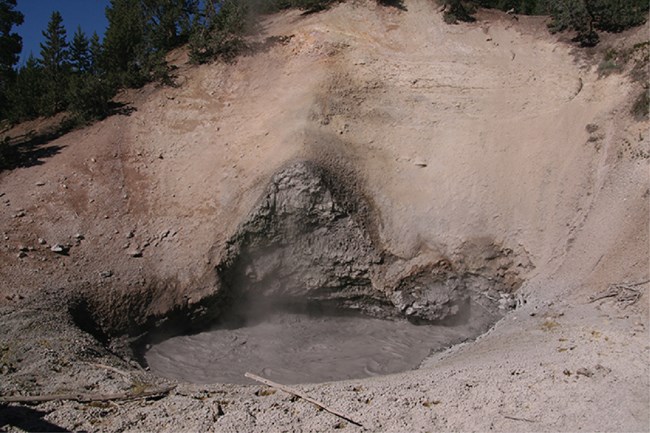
(219, 33)
(10, 46)
(455, 11)
(96, 52)
(54, 60)
(26, 93)
(89, 97)
(615, 16)
(54, 51)
(169, 22)
(80, 57)
(124, 42)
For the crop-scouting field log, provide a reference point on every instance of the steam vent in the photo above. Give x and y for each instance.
(359, 215)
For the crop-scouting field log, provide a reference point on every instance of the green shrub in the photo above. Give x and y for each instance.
(607, 67)
(89, 97)
(220, 33)
(310, 5)
(449, 18)
(4, 153)
(458, 10)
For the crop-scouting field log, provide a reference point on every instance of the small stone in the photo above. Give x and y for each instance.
(20, 214)
(584, 372)
(164, 234)
(60, 249)
(603, 369)
(42, 241)
(135, 252)
(22, 254)
(106, 274)
(130, 234)
(40, 183)
(79, 237)
(23, 248)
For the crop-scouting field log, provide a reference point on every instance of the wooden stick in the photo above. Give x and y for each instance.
(85, 398)
(614, 290)
(124, 374)
(515, 418)
(301, 395)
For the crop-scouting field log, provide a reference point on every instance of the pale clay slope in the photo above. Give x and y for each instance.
(496, 110)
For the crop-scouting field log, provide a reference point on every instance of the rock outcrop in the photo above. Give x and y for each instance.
(306, 240)
(309, 242)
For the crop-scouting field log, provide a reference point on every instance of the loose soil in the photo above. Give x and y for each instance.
(492, 151)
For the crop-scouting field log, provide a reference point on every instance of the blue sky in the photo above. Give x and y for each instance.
(89, 14)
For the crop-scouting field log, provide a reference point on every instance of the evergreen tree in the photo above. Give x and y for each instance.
(615, 16)
(587, 16)
(96, 51)
(54, 60)
(89, 97)
(26, 93)
(581, 16)
(124, 42)
(80, 57)
(169, 22)
(54, 51)
(455, 11)
(219, 32)
(89, 93)
(10, 46)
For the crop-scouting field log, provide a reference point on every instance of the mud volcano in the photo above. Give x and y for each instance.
(307, 293)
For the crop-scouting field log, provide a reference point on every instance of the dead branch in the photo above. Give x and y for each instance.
(113, 369)
(624, 293)
(86, 398)
(301, 395)
(515, 418)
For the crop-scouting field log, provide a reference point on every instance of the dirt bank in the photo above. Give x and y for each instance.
(463, 140)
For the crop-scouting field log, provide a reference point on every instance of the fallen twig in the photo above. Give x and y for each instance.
(113, 369)
(85, 398)
(301, 395)
(623, 292)
(515, 418)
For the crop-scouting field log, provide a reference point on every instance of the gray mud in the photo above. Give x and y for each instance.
(299, 348)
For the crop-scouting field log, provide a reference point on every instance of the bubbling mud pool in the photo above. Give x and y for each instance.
(299, 348)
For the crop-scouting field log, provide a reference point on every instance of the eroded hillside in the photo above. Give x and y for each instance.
(492, 147)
